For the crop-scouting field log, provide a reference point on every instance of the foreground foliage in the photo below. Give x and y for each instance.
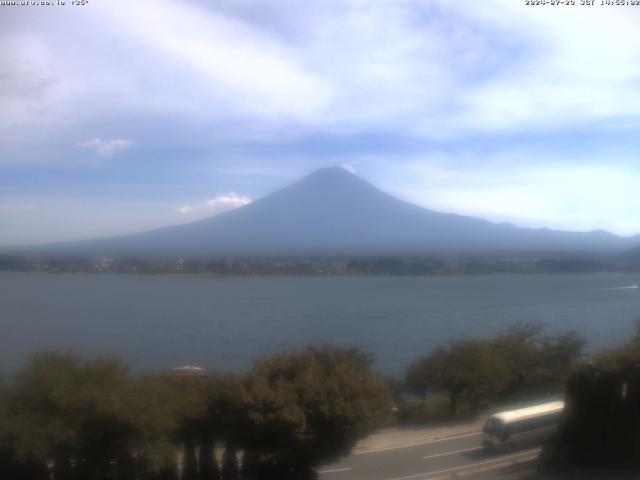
(602, 426)
(66, 418)
(477, 373)
(309, 407)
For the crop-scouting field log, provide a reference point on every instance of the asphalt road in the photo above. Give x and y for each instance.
(451, 457)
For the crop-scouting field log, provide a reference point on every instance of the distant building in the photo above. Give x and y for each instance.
(180, 265)
(103, 264)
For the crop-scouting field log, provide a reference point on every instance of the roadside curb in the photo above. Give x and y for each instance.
(422, 441)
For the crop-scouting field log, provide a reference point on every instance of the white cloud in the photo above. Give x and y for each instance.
(106, 148)
(430, 68)
(576, 67)
(216, 205)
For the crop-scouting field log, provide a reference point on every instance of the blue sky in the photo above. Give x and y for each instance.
(121, 116)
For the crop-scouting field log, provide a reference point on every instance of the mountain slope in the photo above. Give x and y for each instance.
(333, 211)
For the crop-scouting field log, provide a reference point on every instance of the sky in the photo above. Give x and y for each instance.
(119, 117)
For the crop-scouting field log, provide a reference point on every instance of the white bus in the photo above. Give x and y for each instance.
(525, 426)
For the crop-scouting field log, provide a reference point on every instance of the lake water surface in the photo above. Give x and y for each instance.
(157, 322)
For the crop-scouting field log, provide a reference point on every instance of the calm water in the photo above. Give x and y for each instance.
(156, 322)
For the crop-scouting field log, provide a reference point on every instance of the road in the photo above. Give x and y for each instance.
(456, 456)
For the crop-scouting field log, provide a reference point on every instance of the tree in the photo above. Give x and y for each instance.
(469, 371)
(520, 347)
(602, 425)
(9, 467)
(193, 429)
(222, 415)
(230, 470)
(210, 406)
(516, 363)
(64, 408)
(168, 472)
(560, 355)
(92, 412)
(155, 412)
(207, 464)
(305, 408)
(189, 461)
(602, 410)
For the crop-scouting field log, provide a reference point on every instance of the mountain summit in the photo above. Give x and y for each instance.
(333, 211)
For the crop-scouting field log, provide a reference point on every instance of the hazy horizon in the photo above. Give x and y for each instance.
(227, 205)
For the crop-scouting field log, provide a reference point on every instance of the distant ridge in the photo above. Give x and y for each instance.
(334, 212)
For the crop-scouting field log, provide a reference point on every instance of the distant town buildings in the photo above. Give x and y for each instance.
(103, 265)
(357, 265)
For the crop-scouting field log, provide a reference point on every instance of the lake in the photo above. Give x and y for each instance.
(158, 322)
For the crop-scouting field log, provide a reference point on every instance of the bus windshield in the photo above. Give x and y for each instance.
(493, 427)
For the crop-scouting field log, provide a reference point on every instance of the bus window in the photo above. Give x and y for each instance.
(493, 427)
(506, 432)
(529, 425)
